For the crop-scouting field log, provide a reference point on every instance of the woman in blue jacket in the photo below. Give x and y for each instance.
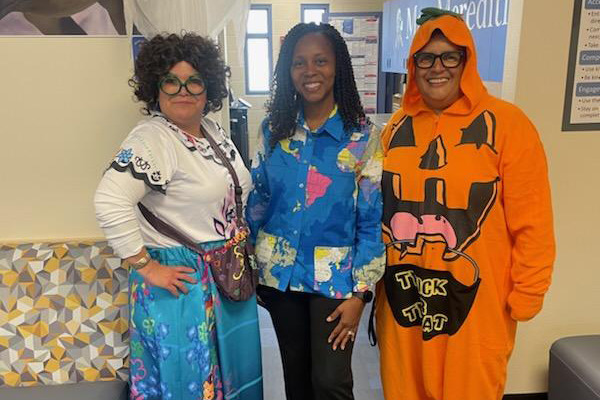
(315, 211)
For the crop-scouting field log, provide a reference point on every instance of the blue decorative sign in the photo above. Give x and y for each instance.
(348, 26)
(487, 19)
(136, 42)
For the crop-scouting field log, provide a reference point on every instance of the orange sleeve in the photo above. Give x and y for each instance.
(528, 212)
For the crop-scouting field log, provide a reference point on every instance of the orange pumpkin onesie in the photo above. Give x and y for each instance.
(468, 224)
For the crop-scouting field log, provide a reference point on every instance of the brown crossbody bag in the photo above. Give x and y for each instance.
(233, 265)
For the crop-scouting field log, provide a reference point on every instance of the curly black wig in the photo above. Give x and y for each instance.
(158, 55)
(285, 102)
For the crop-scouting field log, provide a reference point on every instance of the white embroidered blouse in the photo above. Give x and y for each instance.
(177, 177)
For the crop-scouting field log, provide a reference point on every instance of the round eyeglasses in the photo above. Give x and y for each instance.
(171, 85)
(449, 59)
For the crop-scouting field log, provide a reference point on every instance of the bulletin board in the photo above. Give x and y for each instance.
(362, 32)
(582, 95)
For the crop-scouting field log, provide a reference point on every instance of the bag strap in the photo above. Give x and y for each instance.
(237, 187)
(167, 230)
(371, 329)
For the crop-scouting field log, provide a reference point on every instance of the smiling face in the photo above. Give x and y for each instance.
(439, 86)
(313, 70)
(183, 109)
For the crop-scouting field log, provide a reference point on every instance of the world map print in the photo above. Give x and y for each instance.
(316, 206)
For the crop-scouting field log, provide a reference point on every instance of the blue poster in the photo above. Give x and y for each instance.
(136, 42)
(487, 19)
(348, 26)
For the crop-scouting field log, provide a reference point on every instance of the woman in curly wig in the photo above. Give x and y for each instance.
(186, 340)
(315, 212)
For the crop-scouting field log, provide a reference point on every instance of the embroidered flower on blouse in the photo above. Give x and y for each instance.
(124, 156)
(156, 176)
(141, 163)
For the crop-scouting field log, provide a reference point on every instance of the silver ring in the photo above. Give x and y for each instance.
(350, 333)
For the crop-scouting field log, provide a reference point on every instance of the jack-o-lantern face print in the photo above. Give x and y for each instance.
(436, 199)
(418, 203)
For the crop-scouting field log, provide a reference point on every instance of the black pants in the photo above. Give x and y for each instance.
(312, 370)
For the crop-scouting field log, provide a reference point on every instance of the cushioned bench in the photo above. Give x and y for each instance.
(63, 321)
(113, 390)
(575, 368)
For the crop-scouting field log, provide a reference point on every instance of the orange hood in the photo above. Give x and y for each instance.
(471, 85)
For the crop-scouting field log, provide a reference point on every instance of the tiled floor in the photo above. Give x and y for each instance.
(365, 362)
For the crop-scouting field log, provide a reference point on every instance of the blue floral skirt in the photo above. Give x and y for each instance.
(197, 346)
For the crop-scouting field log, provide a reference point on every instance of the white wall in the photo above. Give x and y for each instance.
(65, 108)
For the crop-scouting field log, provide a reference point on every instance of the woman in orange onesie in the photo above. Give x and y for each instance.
(467, 221)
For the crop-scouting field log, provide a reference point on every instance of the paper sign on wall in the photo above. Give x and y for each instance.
(582, 95)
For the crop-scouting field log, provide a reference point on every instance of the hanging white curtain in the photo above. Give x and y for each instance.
(204, 17)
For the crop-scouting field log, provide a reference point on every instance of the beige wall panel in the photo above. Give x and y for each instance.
(66, 106)
(572, 304)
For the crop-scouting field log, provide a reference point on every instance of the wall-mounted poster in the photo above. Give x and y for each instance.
(62, 17)
(582, 96)
(362, 32)
(136, 43)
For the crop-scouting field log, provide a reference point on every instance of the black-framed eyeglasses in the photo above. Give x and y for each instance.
(171, 85)
(449, 59)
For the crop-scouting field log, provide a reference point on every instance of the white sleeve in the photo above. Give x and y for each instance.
(146, 162)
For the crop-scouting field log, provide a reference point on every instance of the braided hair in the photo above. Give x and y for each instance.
(285, 102)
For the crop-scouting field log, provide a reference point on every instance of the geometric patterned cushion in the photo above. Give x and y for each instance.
(63, 314)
